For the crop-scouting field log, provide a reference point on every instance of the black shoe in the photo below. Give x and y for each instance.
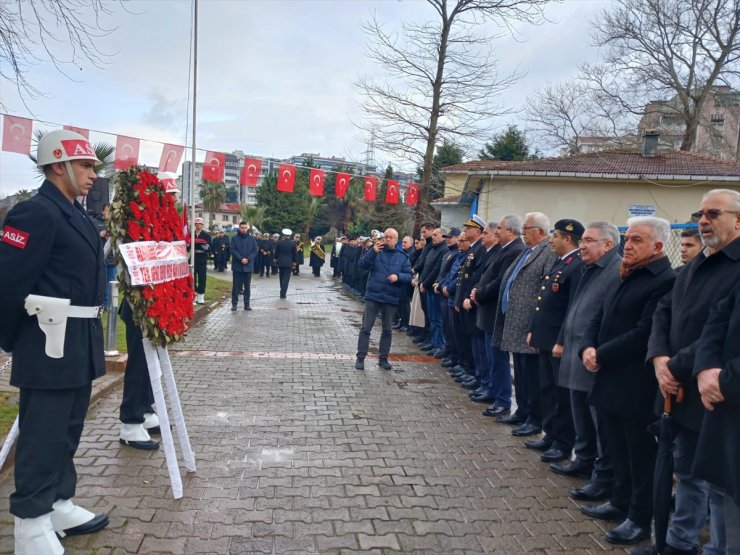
(512, 419)
(437, 353)
(628, 533)
(427, 348)
(471, 384)
(526, 430)
(589, 492)
(384, 364)
(396, 326)
(603, 511)
(572, 469)
(247, 308)
(150, 445)
(360, 364)
(495, 412)
(233, 308)
(553, 455)
(419, 339)
(95, 524)
(542, 444)
(403, 329)
(448, 363)
(482, 398)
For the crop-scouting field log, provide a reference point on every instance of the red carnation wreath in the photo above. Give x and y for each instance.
(143, 211)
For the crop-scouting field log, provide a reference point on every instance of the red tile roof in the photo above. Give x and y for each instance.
(616, 163)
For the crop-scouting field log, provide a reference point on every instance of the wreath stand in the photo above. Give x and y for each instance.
(159, 365)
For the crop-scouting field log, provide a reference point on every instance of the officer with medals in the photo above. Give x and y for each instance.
(220, 247)
(558, 283)
(467, 277)
(52, 283)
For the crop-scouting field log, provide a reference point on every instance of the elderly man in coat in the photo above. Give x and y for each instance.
(514, 315)
(677, 325)
(717, 370)
(600, 256)
(614, 348)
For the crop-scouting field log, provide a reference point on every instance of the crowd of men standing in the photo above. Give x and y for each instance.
(599, 330)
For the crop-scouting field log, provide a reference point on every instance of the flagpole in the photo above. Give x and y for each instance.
(195, 121)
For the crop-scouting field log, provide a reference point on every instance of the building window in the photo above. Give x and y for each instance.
(717, 119)
(224, 217)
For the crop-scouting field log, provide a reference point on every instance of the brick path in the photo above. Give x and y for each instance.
(298, 452)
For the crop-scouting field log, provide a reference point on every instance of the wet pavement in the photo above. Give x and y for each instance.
(297, 452)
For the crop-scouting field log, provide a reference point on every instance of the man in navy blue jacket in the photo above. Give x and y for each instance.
(389, 270)
(243, 249)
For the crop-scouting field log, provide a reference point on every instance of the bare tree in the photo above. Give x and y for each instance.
(63, 32)
(661, 49)
(441, 80)
(564, 113)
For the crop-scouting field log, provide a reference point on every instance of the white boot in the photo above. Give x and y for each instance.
(136, 436)
(68, 515)
(151, 423)
(200, 298)
(35, 536)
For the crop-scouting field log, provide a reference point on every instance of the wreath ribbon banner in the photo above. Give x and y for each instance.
(151, 262)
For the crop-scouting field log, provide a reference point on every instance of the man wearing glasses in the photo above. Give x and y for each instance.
(677, 326)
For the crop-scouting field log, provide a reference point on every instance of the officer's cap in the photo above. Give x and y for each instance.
(571, 227)
(475, 221)
(451, 232)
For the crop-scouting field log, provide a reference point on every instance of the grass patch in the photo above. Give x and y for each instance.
(217, 289)
(8, 411)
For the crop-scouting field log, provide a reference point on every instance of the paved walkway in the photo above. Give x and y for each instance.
(298, 452)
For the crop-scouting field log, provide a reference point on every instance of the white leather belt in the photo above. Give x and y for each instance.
(84, 311)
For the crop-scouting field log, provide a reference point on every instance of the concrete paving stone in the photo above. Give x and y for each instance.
(354, 527)
(388, 541)
(206, 546)
(246, 546)
(326, 544)
(425, 544)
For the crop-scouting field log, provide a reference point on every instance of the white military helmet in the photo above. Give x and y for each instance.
(64, 146)
(199, 221)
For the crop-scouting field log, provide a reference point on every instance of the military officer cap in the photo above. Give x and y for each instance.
(475, 221)
(451, 232)
(571, 227)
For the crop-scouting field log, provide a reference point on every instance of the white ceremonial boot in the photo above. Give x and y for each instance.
(69, 519)
(35, 536)
(151, 423)
(134, 435)
(200, 298)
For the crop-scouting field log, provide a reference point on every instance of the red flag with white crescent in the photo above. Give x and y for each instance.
(391, 192)
(371, 186)
(213, 167)
(79, 130)
(170, 159)
(341, 184)
(316, 183)
(127, 152)
(286, 178)
(17, 135)
(250, 172)
(412, 195)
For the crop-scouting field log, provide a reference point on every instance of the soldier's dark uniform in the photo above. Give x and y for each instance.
(50, 248)
(266, 247)
(220, 247)
(557, 287)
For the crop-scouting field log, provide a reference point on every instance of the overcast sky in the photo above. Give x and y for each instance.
(275, 78)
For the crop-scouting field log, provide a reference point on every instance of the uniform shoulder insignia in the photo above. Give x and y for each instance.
(15, 237)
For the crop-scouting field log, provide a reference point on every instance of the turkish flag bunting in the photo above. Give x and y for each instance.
(316, 185)
(79, 130)
(170, 159)
(127, 152)
(17, 135)
(213, 167)
(371, 186)
(250, 172)
(391, 193)
(412, 195)
(341, 184)
(286, 178)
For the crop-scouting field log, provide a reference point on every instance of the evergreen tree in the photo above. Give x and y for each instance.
(509, 145)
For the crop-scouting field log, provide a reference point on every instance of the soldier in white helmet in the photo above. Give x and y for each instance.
(202, 248)
(53, 268)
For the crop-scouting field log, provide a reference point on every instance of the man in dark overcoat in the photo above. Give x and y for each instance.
(600, 255)
(717, 370)
(614, 348)
(677, 325)
(485, 294)
(52, 275)
(243, 250)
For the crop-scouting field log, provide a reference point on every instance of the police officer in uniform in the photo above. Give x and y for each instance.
(553, 298)
(285, 253)
(220, 248)
(202, 248)
(51, 249)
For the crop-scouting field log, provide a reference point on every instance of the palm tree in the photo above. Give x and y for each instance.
(253, 215)
(104, 152)
(23, 194)
(213, 195)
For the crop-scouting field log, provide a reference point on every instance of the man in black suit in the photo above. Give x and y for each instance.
(553, 298)
(285, 253)
(614, 348)
(52, 272)
(485, 294)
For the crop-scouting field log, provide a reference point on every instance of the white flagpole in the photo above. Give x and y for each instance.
(195, 121)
